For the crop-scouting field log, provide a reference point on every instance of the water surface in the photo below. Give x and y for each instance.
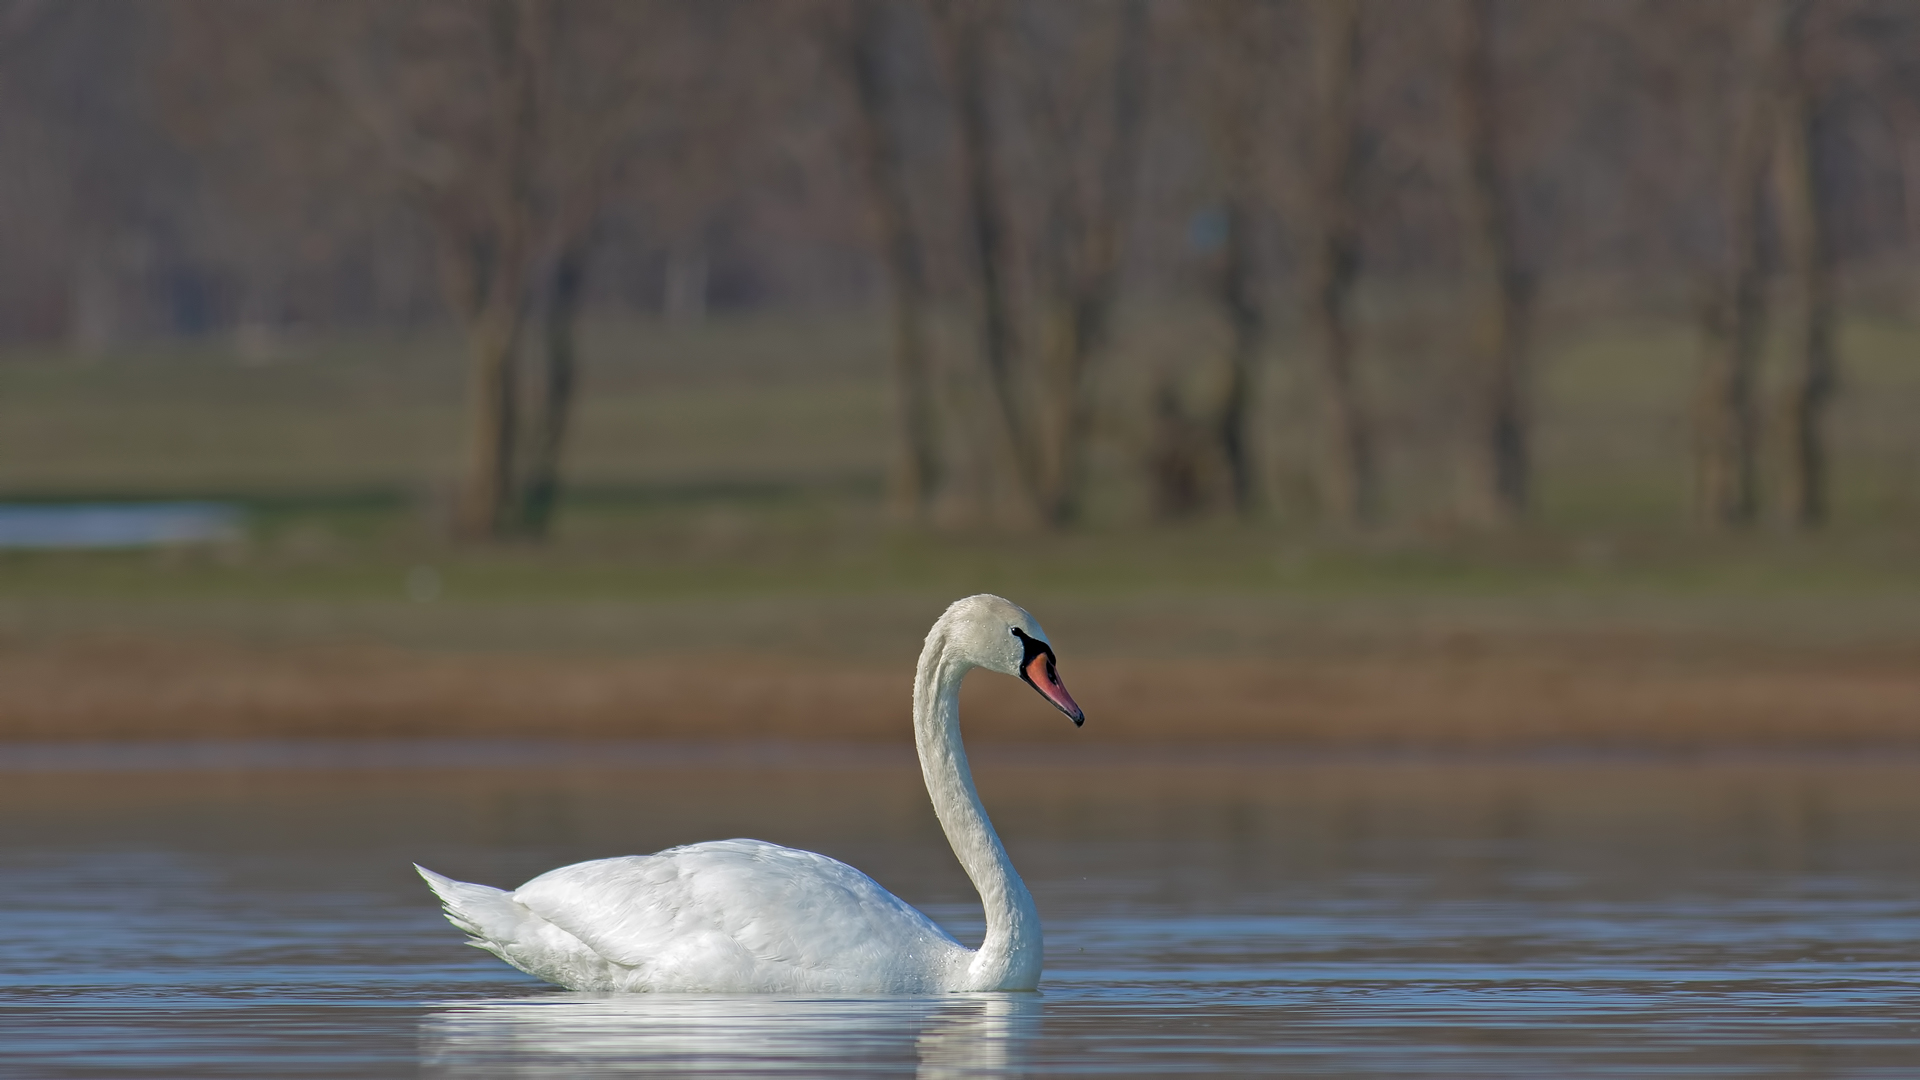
(116, 525)
(249, 911)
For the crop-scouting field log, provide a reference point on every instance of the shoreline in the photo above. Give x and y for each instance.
(1492, 694)
(462, 755)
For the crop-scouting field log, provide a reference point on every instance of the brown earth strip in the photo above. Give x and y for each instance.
(1500, 694)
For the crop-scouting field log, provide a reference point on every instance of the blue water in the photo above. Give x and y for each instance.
(116, 525)
(1249, 917)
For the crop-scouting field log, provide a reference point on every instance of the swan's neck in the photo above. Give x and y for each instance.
(1009, 958)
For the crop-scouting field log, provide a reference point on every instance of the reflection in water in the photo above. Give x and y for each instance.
(1253, 918)
(952, 1036)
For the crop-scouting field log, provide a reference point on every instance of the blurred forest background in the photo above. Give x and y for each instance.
(1407, 371)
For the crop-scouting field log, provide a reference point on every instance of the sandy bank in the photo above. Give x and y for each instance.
(1491, 692)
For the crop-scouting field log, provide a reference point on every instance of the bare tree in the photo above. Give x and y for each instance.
(488, 248)
(1503, 315)
(856, 42)
(1176, 456)
(964, 34)
(1810, 258)
(1077, 87)
(635, 94)
(507, 142)
(1238, 47)
(1727, 417)
(1091, 122)
(508, 126)
(557, 381)
(466, 145)
(1350, 480)
(523, 134)
(719, 74)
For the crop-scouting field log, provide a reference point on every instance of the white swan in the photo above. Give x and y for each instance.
(748, 916)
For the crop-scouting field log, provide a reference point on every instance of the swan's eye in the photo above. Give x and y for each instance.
(1030, 647)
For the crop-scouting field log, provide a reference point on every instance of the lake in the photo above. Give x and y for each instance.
(248, 910)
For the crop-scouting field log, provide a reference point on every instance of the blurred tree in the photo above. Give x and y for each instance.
(477, 186)
(93, 198)
(508, 125)
(855, 40)
(1237, 40)
(1084, 83)
(650, 101)
(964, 34)
(1809, 255)
(1176, 456)
(1350, 480)
(1074, 86)
(476, 109)
(1728, 418)
(1501, 325)
(728, 91)
(254, 193)
(303, 224)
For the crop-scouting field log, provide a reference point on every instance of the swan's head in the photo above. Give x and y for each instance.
(1000, 636)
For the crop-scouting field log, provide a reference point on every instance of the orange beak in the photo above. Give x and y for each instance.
(1040, 675)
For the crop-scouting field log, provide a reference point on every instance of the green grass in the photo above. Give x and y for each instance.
(743, 459)
(747, 401)
(815, 547)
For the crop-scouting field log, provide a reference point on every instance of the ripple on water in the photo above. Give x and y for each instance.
(1333, 920)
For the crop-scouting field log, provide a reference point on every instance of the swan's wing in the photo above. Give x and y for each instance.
(743, 913)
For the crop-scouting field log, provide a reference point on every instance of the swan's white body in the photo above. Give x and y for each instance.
(726, 915)
(748, 916)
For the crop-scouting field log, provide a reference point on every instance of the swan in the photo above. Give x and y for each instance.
(752, 917)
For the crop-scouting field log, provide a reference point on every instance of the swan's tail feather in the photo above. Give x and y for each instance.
(503, 926)
(492, 917)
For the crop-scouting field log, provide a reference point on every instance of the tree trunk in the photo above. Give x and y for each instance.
(1810, 256)
(1247, 327)
(487, 492)
(1176, 456)
(1234, 31)
(1728, 420)
(1349, 480)
(560, 319)
(490, 269)
(1499, 341)
(1092, 223)
(483, 272)
(961, 31)
(915, 475)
